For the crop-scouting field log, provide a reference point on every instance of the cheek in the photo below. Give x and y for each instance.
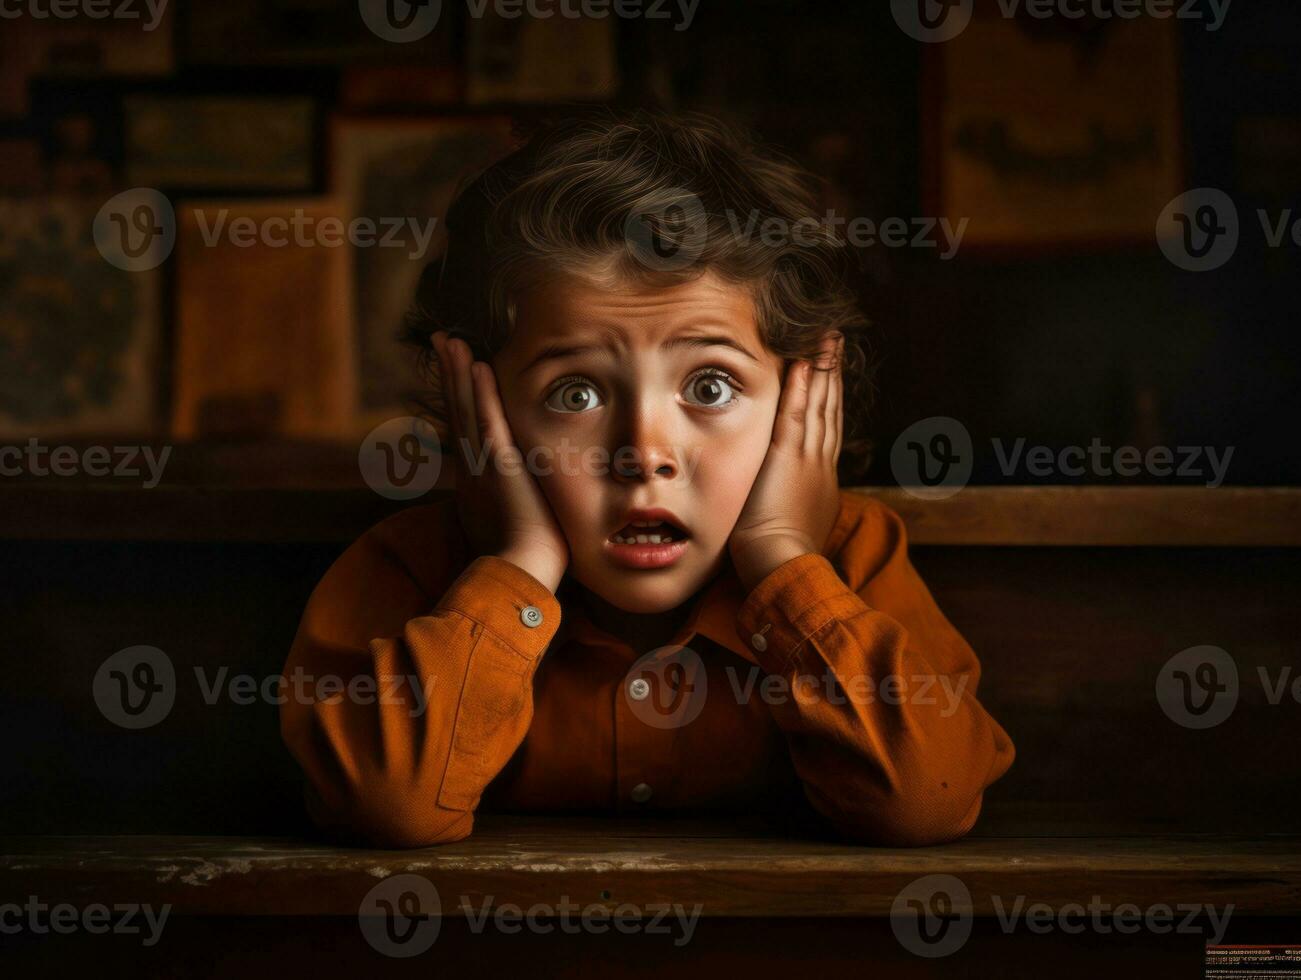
(749, 445)
(727, 469)
(568, 482)
(566, 489)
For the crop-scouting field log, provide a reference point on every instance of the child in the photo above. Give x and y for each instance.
(650, 593)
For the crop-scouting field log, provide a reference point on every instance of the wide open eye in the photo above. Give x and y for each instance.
(712, 387)
(574, 395)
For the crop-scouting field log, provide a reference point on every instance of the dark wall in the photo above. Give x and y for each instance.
(1057, 346)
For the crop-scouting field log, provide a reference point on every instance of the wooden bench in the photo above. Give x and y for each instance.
(1074, 600)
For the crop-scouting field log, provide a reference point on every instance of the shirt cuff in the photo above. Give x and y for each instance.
(793, 602)
(507, 601)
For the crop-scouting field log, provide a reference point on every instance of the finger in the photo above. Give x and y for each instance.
(816, 423)
(462, 357)
(793, 405)
(835, 392)
(447, 377)
(840, 413)
(493, 425)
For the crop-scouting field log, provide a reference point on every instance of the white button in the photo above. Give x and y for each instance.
(639, 689)
(531, 616)
(760, 643)
(641, 793)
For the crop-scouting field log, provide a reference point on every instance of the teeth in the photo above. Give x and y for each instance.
(663, 533)
(643, 539)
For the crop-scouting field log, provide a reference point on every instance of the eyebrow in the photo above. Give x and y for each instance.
(553, 352)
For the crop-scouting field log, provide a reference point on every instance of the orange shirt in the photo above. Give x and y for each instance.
(427, 685)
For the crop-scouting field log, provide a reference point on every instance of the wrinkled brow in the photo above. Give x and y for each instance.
(552, 352)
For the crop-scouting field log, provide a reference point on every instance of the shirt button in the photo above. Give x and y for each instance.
(759, 641)
(641, 793)
(531, 616)
(639, 689)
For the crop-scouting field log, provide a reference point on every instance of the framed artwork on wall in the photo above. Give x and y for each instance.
(400, 173)
(263, 346)
(79, 338)
(211, 142)
(310, 32)
(24, 170)
(1032, 134)
(540, 59)
(137, 44)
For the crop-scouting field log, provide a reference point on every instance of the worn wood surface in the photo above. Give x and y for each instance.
(530, 860)
(188, 514)
(282, 507)
(1103, 516)
(1072, 642)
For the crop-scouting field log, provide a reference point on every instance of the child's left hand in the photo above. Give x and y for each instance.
(795, 499)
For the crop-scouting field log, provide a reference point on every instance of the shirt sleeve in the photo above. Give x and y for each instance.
(879, 702)
(427, 715)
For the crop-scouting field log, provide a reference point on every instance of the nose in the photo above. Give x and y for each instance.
(647, 451)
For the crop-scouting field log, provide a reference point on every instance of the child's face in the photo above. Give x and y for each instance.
(640, 423)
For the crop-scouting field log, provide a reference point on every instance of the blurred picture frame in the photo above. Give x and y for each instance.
(399, 88)
(540, 59)
(263, 343)
(1029, 133)
(23, 173)
(236, 33)
(400, 173)
(82, 48)
(221, 142)
(79, 128)
(81, 337)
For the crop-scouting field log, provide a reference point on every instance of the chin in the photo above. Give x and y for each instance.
(647, 591)
(645, 604)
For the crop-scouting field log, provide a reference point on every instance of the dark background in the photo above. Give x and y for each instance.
(1059, 344)
(1060, 340)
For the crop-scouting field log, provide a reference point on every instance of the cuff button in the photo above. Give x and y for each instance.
(531, 616)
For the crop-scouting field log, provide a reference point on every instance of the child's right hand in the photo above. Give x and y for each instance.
(500, 505)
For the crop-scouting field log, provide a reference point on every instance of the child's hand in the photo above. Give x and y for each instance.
(795, 499)
(500, 504)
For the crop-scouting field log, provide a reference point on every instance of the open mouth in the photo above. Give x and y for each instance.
(649, 532)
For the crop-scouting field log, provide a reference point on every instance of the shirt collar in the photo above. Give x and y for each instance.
(713, 616)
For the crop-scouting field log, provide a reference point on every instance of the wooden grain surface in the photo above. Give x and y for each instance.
(1003, 516)
(530, 860)
(1102, 516)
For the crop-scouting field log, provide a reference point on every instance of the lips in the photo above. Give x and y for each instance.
(635, 545)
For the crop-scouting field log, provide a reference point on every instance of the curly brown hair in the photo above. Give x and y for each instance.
(653, 198)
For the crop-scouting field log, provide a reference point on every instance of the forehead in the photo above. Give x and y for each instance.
(566, 310)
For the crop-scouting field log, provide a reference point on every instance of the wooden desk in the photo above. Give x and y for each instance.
(727, 868)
